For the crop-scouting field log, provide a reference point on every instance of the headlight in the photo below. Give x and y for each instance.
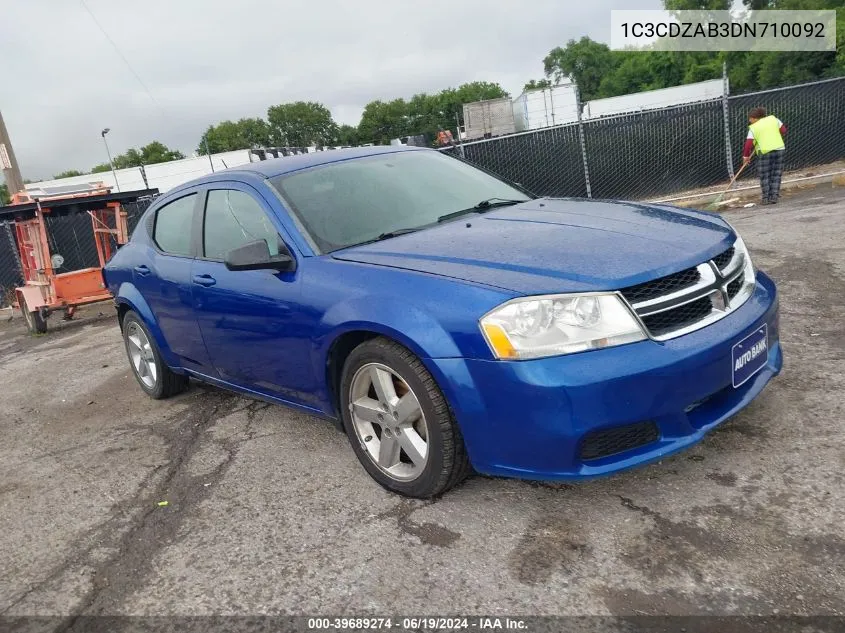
(749, 272)
(535, 327)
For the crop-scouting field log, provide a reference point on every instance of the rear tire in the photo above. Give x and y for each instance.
(35, 322)
(153, 375)
(399, 423)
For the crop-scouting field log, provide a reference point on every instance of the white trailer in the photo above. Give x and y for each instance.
(535, 109)
(483, 119)
(655, 99)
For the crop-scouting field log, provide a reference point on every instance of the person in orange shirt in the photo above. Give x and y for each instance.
(444, 137)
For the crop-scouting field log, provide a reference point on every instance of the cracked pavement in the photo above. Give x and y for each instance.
(268, 511)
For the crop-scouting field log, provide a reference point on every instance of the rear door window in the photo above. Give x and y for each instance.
(172, 231)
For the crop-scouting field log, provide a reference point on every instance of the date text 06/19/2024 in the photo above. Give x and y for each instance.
(428, 623)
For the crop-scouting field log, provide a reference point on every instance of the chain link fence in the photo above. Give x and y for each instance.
(814, 115)
(556, 165)
(10, 268)
(70, 236)
(660, 152)
(650, 153)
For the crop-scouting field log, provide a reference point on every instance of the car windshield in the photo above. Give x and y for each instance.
(360, 200)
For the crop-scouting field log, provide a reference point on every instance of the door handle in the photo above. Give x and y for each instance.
(142, 270)
(204, 280)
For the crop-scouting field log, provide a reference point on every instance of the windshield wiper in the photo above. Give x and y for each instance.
(484, 205)
(388, 235)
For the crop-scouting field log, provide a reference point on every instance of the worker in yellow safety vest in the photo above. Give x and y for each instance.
(765, 139)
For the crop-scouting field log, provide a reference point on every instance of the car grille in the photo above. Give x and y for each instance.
(671, 320)
(692, 298)
(662, 286)
(723, 259)
(607, 442)
(734, 287)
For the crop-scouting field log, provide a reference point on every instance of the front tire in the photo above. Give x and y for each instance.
(152, 374)
(399, 423)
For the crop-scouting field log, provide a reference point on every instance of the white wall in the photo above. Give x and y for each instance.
(161, 176)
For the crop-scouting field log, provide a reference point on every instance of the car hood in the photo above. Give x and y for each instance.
(556, 245)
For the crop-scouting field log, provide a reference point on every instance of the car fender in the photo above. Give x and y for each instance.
(129, 296)
(405, 323)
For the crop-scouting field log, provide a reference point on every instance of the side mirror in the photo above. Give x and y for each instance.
(256, 256)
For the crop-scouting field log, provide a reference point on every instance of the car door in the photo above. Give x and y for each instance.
(164, 280)
(254, 329)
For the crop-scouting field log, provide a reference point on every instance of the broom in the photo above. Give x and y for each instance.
(718, 199)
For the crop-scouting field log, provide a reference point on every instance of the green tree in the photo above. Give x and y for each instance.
(585, 61)
(697, 5)
(254, 131)
(223, 137)
(157, 152)
(452, 100)
(348, 135)
(228, 136)
(70, 173)
(479, 91)
(424, 113)
(600, 72)
(760, 70)
(428, 113)
(301, 124)
(132, 158)
(4, 195)
(537, 84)
(382, 121)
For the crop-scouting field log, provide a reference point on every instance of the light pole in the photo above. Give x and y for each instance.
(111, 162)
(207, 153)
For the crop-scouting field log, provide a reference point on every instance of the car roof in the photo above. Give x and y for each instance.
(284, 165)
(278, 166)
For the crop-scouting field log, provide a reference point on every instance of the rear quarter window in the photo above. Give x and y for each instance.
(172, 227)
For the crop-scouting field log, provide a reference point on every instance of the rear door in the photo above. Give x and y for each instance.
(164, 280)
(255, 329)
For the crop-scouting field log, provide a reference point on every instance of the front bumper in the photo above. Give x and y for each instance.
(529, 418)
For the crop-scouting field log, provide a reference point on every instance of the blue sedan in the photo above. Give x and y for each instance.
(448, 321)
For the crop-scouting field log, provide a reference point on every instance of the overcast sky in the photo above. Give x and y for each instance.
(209, 60)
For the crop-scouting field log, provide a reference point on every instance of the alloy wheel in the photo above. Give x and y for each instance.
(388, 421)
(141, 355)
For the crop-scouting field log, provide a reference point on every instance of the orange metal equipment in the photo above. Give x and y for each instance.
(45, 291)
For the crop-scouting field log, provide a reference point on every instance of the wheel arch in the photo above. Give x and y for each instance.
(345, 341)
(348, 324)
(451, 463)
(129, 298)
(339, 351)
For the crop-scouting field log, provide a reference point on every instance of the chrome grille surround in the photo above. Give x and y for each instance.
(674, 314)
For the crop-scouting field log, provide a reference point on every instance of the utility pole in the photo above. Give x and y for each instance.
(8, 162)
(207, 153)
(111, 162)
(460, 140)
(726, 90)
